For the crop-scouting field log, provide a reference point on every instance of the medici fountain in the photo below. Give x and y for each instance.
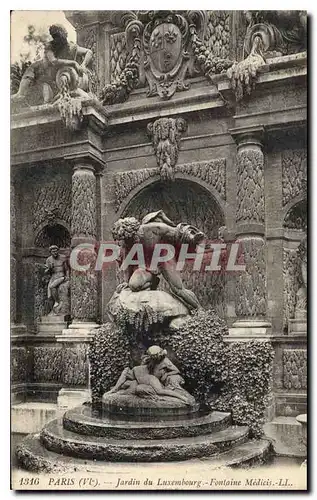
(160, 130)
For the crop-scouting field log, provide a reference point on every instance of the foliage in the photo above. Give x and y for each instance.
(200, 352)
(227, 376)
(248, 383)
(109, 354)
(33, 49)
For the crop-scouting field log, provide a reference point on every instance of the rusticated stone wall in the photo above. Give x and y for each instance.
(213, 172)
(294, 171)
(295, 369)
(251, 289)
(61, 364)
(250, 195)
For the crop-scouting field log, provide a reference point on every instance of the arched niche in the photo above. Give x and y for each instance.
(295, 230)
(186, 201)
(296, 216)
(53, 234)
(182, 201)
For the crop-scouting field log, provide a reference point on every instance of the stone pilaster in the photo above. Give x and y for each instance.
(84, 304)
(83, 284)
(251, 293)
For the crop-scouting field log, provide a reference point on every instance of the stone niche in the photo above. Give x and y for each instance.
(186, 201)
(45, 222)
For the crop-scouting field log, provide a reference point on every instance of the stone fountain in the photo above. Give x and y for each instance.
(149, 415)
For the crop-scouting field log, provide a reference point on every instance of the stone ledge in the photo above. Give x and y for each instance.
(30, 417)
(286, 435)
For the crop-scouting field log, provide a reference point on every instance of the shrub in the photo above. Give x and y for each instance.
(248, 383)
(199, 352)
(227, 376)
(109, 354)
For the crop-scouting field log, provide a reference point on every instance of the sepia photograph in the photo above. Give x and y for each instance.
(158, 250)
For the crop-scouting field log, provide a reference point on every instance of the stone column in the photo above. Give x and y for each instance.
(251, 293)
(84, 305)
(83, 284)
(16, 329)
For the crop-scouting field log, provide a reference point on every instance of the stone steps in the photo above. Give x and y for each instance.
(55, 438)
(33, 456)
(83, 420)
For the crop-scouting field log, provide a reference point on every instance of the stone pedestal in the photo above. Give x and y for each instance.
(297, 326)
(76, 391)
(51, 325)
(249, 330)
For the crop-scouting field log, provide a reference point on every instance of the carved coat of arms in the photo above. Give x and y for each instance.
(166, 60)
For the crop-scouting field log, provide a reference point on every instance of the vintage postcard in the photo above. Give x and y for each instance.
(159, 250)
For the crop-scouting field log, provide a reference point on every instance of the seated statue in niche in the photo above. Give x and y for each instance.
(301, 295)
(56, 267)
(60, 67)
(157, 379)
(156, 228)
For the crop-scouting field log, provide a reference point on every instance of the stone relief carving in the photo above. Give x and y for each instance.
(52, 201)
(90, 42)
(301, 295)
(166, 134)
(19, 364)
(295, 369)
(125, 182)
(40, 292)
(251, 285)
(291, 283)
(84, 289)
(50, 364)
(213, 172)
(83, 203)
(118, 55)
(157, 379)
(218, 33)
(119, 89)
(65, 75)
(166, 55)
(294, 172)
(250, 195)
(268, 34)
(209, 57)
(166, 39)
(282, 31)
(295, 282)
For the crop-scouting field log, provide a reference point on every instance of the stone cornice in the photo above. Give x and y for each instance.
(248, 135)
(93, 111)
(202, 96)
(89, 159)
